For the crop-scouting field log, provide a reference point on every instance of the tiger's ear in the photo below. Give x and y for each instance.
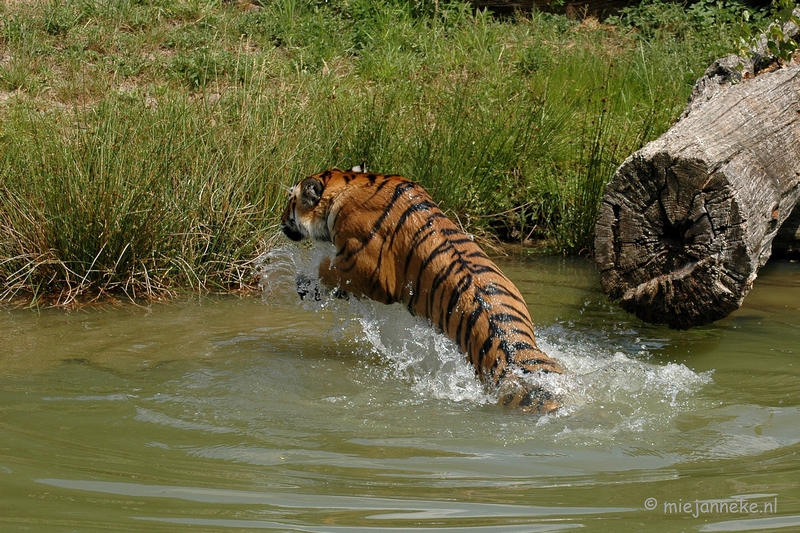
(310, 192)
(360, 168)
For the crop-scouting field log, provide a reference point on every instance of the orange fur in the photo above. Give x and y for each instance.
(394, 244)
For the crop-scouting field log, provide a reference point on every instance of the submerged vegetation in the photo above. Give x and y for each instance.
(145, 146)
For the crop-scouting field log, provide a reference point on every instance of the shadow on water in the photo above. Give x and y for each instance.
(275, 414)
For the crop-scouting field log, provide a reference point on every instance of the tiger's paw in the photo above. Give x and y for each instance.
(339, 293)
(514, 394)
(309, 289)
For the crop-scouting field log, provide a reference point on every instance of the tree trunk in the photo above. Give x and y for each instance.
(687, 221)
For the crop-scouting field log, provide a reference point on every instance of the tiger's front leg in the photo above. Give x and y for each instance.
(309, 289)
(360, 277)
(330, 276)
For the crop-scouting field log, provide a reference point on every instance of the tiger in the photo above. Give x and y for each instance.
(395, 245)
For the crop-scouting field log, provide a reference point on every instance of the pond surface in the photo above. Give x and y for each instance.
(265, 413)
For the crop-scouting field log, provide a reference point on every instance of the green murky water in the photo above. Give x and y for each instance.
(268, 414)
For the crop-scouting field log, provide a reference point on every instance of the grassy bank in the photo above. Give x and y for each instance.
(145, 146)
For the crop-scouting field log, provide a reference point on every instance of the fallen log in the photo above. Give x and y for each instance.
(687, 221)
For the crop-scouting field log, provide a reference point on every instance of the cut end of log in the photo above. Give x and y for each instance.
(670, 251)
(679, 301)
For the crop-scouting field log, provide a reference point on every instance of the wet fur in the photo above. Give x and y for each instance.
(394, 244)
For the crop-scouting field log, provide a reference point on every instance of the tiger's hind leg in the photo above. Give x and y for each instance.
(514, 393)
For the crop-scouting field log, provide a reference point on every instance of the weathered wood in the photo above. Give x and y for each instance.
(687, 221)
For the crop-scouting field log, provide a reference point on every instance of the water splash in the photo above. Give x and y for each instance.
(623, 390)
(416, 353)
(278, 270)
(613, 395)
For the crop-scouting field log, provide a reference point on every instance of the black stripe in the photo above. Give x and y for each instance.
(443, 276)
(483, 269)
(439, 250)
(478, 253)
(484, 349)
(413, 208)
(496, 364)
(436, 284)
(483, 307)
(400, 188)
(420, 236)
(533, 362)
(456, 242)
(455, 298)
(451, 293)
(472, 319)
(506, 318)
(521, 345)
(520, 332)
(493, 289)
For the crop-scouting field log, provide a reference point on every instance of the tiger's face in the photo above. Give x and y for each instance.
(308, 209)
(304, 217)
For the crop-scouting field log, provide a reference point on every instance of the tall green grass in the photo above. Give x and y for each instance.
(131, 200)
(145, 146)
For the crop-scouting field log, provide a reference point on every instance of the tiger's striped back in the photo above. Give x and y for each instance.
(394, 244)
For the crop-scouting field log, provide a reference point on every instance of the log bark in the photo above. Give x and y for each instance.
(687, 221)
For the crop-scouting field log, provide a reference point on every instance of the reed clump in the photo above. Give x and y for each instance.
(145, 147)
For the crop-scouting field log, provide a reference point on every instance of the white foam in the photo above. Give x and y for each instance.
(418, 354)
(279, 269)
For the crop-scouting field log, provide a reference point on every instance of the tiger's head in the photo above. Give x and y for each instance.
(301, 219)
(307, 211)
